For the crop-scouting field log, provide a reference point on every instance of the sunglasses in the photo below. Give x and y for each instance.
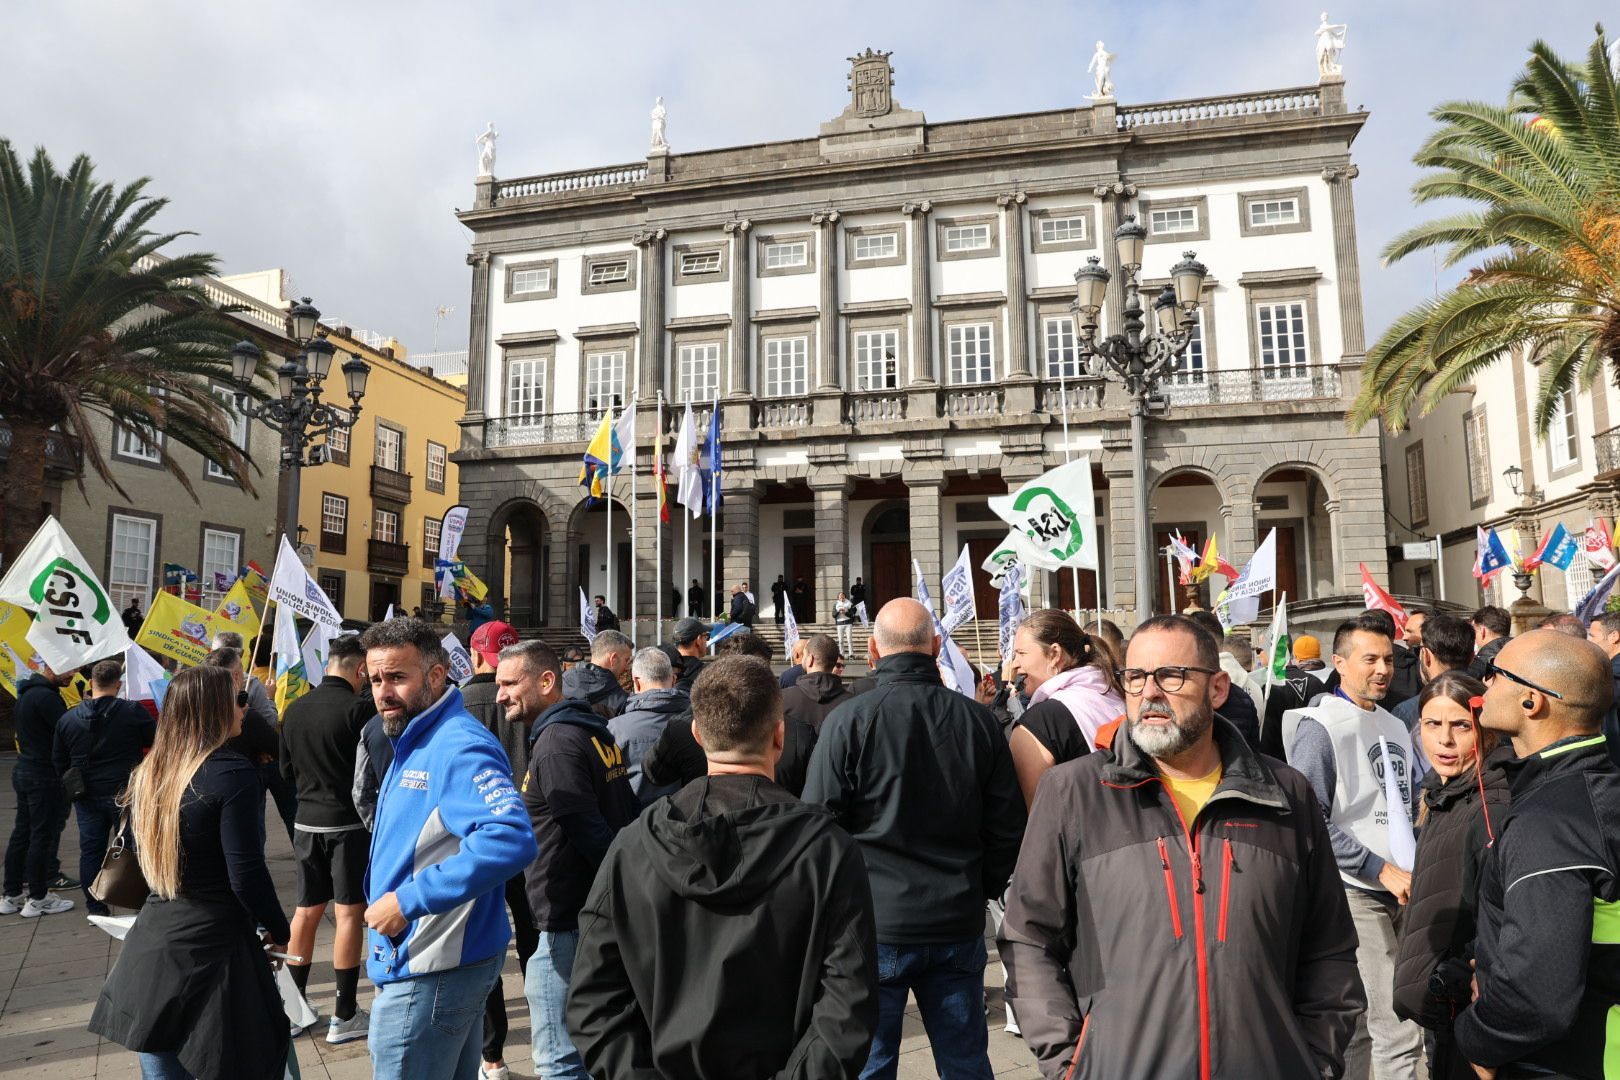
(1492, 670)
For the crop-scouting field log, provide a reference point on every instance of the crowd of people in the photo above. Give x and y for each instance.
(1394, 861)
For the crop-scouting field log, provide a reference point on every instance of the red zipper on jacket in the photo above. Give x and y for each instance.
(1202, 961)
(1226, 889)
(1074, 1062)
(1170, 888)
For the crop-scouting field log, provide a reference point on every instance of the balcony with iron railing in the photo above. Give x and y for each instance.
(61, 452)
(1606, 452)
(386, 557)
(390, 484)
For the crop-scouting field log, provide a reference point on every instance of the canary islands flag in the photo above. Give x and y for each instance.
(601, 456)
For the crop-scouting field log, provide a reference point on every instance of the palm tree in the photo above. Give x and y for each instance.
(1542, 243)
(93, 323)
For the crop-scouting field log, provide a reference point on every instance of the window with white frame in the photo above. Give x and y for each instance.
(876, 246)
(970, 353)
(1058, 230)
(1282, 211)
(699, 372)
(1284, 352)
(334, 515)
(604, 381)
(1173, 220)
(877, 364)
(1062, 359)
(139, 441)
(967, 238)
(1562, 437)
(221, 558)
(534, 279)
(430, 536)
(238, 432)
(390, 448)
(610, 272)
(698, 263)
(386, 526)
(437, 461)
(133, 542)
(1477, 448)
(337, 440)
(1192, 369)
(790, 253)
(787, 366)
(526, 387)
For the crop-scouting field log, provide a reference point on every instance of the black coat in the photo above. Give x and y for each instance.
(1407, 679)
(728, 934)
(106, 738)
(1487, 652)
(677, 759)
(812, 697)
(597, 687)
(39, 707)
(742, 611)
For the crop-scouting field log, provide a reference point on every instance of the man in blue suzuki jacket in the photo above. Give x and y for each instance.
(450, 830)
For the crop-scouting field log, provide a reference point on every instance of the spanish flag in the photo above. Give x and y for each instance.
(1212, 563)
(658, 479)
(601, 456)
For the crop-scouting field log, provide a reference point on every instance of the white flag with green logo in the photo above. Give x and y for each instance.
(1055, 515)
(75, 622)
(1278, 644)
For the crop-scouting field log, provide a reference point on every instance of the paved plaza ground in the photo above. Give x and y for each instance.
(51, 969)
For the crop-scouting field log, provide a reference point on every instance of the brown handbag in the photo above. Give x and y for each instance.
(120, 882)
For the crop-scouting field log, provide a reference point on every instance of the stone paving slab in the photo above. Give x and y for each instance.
(51, 969)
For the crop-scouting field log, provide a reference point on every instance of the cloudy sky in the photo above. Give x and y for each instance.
(336, 139)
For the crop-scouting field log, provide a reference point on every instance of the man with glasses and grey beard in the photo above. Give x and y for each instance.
(1182, 885)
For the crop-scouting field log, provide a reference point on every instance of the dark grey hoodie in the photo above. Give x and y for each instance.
(638, 727)
(597, 687)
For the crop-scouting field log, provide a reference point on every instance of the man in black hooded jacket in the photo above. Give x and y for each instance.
(730, 931)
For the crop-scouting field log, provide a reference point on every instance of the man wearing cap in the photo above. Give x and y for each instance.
(691, 639)
(479, 695)
(1304, 679)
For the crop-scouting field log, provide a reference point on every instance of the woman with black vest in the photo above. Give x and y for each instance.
(1465, 791)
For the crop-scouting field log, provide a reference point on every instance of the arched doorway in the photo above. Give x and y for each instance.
(519, 552)
(1189, 503)
(888, 554)
(596, 545)
(1294, 500)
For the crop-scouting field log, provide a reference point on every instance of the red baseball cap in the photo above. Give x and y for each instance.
(488, 640)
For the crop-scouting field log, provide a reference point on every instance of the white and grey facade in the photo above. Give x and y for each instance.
(883, 314)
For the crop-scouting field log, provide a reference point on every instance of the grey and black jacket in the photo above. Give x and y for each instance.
(1137, 946)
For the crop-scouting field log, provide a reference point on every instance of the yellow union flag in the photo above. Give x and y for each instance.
(177, 629)
(15, 652)
(235, 612)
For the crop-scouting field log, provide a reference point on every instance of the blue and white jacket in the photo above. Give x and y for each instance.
(450, 831)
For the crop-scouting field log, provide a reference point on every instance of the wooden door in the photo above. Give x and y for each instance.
(801, 565)
(623, 568)
(1088, 589)
(891, 573)
(986, 597)
(1287, 566)
(384, 593)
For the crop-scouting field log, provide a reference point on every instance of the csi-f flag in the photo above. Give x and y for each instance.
(957, 585)
(1056, 513)
(290, 584)
(1279, 644)
(74, 620)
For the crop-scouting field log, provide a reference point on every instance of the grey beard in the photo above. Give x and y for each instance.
(395, 728)
(1170, 740)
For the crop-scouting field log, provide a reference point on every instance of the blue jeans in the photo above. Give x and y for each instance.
(162, 1066)
(40, 817)
(949, 983)
(431, 1025)
(98, 817)
(545, 984)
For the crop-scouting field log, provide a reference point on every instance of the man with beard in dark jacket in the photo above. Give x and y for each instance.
(656, 706)
(577, 794)
(729, 932)
(597, 682)
(818, 691)
(922, 778)
(1548, 950)
(1181, 884)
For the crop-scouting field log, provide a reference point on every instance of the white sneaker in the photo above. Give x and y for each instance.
(493, 1072)
(10, 905)
(51, 905)
(355, 1027)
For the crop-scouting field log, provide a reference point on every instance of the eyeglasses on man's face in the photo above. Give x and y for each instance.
(1169, 679)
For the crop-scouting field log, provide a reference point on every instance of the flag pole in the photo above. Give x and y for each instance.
(714, 515)
(658, 516)
(608, 488)
(635, 402)
(1170, 572)
(1068, 456)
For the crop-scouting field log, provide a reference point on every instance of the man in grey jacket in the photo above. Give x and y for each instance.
(656, 704)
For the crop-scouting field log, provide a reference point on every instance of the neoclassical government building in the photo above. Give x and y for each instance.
(882, 312)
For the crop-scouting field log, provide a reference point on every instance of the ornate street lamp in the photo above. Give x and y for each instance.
(1138, 359)
(297, 413)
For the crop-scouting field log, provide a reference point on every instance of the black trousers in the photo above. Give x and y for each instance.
(41, 814)
(528, 939)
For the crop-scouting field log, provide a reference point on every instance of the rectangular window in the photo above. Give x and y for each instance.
(390, 448)
(1061, 229)
(967, 238)
(1193, 368)
(534, 280)
(1477, 446)
(613, 272)
(386, 526)
(133, 542)
(1417, 484)
(332, 586)
(1273, 212)
(526, 388)
(699, 372)
(787, 366)
(604, 381)
(782, 256)
(221, 559)
(430, 541)
(1423, 581)
(876, 246)
(1173, 220)
(877, 364)
(1284, 353)
(437, 462)
(140, 443)
(337, 440)
(1061, 360)
(700, 262)
(1562, 436)
(334, 523)
(970, 354)
(239, 427)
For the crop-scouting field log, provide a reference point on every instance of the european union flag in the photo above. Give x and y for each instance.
(711, 452)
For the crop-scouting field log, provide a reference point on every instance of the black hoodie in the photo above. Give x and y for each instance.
(106, 737)
(597, 687)
(729, 933)
(578, 795)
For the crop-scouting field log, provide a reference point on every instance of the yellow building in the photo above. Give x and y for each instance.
(372, 513)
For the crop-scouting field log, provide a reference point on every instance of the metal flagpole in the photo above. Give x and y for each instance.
(1170, 570)
(714, 519)
(607, 488)
(1068, 455)
(658, 516)
(635, 551)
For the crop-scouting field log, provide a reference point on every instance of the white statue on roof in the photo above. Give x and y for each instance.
(659, 113)
(486, 150)
(1102, 64)
(1329, 44)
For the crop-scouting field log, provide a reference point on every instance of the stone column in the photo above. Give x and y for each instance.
(741, 311)
(651, 368)
(1121, 532)
(826, 221)
(1347, 264)
(831, 489)
(1012, 233)
(739, 540)
(562, 582)
(649, 555)
(1242, 536)
(925, 487)
(922, 294)
(1116, 199)
(477, 352)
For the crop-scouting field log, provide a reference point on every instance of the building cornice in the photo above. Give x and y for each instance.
(618, 329)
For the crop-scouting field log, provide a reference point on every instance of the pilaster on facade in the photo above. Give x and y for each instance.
(827, 368)
(830, 490)
(655, 563)
(478, 348)
(1122, 513)
(651, 369)
(922, 292)
(926, 485)
(1347, 262)
(1012, 208)
(739, 539)
(741, 309)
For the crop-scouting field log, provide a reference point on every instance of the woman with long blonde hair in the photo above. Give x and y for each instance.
(192, 991)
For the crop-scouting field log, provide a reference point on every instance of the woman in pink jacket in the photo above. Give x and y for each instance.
(1072, 692)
